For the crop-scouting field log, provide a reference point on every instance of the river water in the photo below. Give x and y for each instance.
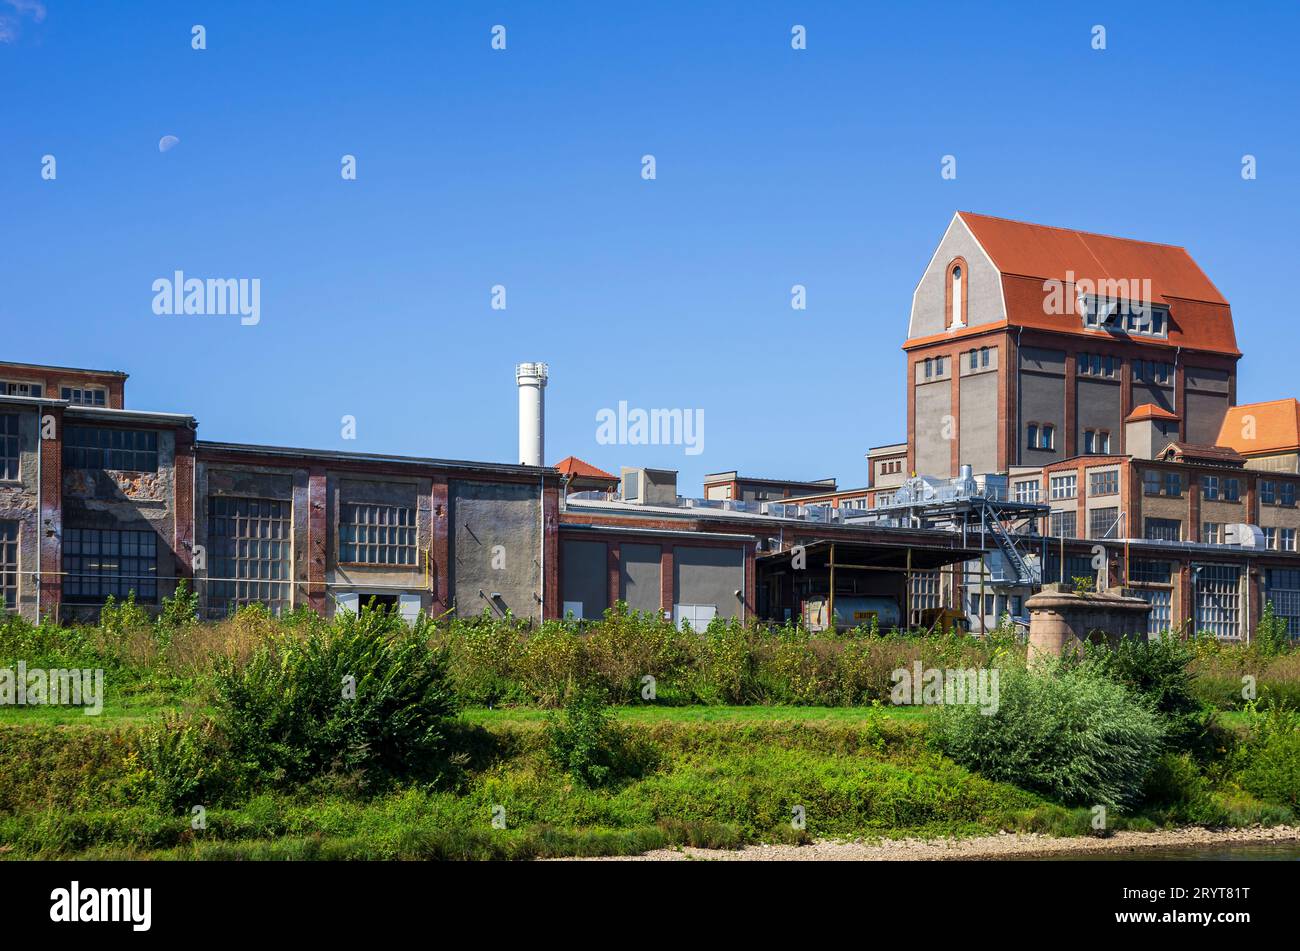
(1232, 852)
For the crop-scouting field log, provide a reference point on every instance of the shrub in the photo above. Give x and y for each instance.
(1271, 635)
(1159, 670)
(585, 741)
(365, 693)
(179, 764)
(1268, 763)
(1071, 733)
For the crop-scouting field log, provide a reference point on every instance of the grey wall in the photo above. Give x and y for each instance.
(1042, 400)
(18, 504)
(113, 500)
(1205, 405)
(984, 285)
(252, 482)
(979, 421)
(1162, 396)
(709, 576)
(933, 451)
(639, 577)
(584, 576)
(1098, 407)
(483, 515)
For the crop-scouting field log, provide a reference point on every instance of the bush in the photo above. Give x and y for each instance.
(178, 765)
(1159, 670)
(365, 693)
(587, 743)
(1071, 733)
(1267, 764)
(1271, 635)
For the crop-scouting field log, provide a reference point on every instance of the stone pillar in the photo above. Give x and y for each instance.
(1060, 619)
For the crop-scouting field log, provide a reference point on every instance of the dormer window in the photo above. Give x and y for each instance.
(1124, 316)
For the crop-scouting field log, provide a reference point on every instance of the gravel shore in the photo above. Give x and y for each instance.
(1002, 846)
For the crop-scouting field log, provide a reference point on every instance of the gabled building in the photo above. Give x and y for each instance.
(1029, 344)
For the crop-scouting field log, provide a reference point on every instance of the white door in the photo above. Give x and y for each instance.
(697, 615)
(409, 605)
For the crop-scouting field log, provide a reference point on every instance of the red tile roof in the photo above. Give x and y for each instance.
(1028, 255)
(1188, 452)
(1260, 428)
(1149, 411)
(573, 466)
(1044, 252)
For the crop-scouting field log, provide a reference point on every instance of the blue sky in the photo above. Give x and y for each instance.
(523, 168)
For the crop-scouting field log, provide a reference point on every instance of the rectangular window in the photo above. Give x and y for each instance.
(9, 446)
(1103, 483)
(924, 593)
(1027, 491)
(929, 368)
(377, 535)
(249, 546)
(1032, 431)
(1046, 437)
(8, 566)
(1173, 484)
(1163, 529)
(974, 359)
(1212, 533)
(85, 396)
(1282, 589)
(1103, 523)
(1063, 524)
(1270, 539)
(91, 447)
(1231, 490)
(984, 356)
(1218, 600)
(97, 563)
(13, 388)
(1161, 617)
(1089, 442)
(1064, 486)
(1267, 492)
(1151, 482)
(1210, 487)
(1150, 572)
(1286, 539)
(1287, 493)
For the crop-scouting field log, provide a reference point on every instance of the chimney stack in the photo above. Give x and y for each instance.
(531, 378)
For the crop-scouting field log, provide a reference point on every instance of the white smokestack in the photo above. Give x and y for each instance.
(531, 378)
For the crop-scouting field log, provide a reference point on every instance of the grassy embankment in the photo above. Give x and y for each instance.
(703, 768)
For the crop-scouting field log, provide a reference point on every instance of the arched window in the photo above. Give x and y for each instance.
(957, 300)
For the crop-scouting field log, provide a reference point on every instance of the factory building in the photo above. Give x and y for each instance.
(1098, 376)
(99, 500)
(1071, 413)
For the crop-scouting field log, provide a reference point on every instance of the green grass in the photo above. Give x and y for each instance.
(153, 706)
(650, 714)
(143, 707)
